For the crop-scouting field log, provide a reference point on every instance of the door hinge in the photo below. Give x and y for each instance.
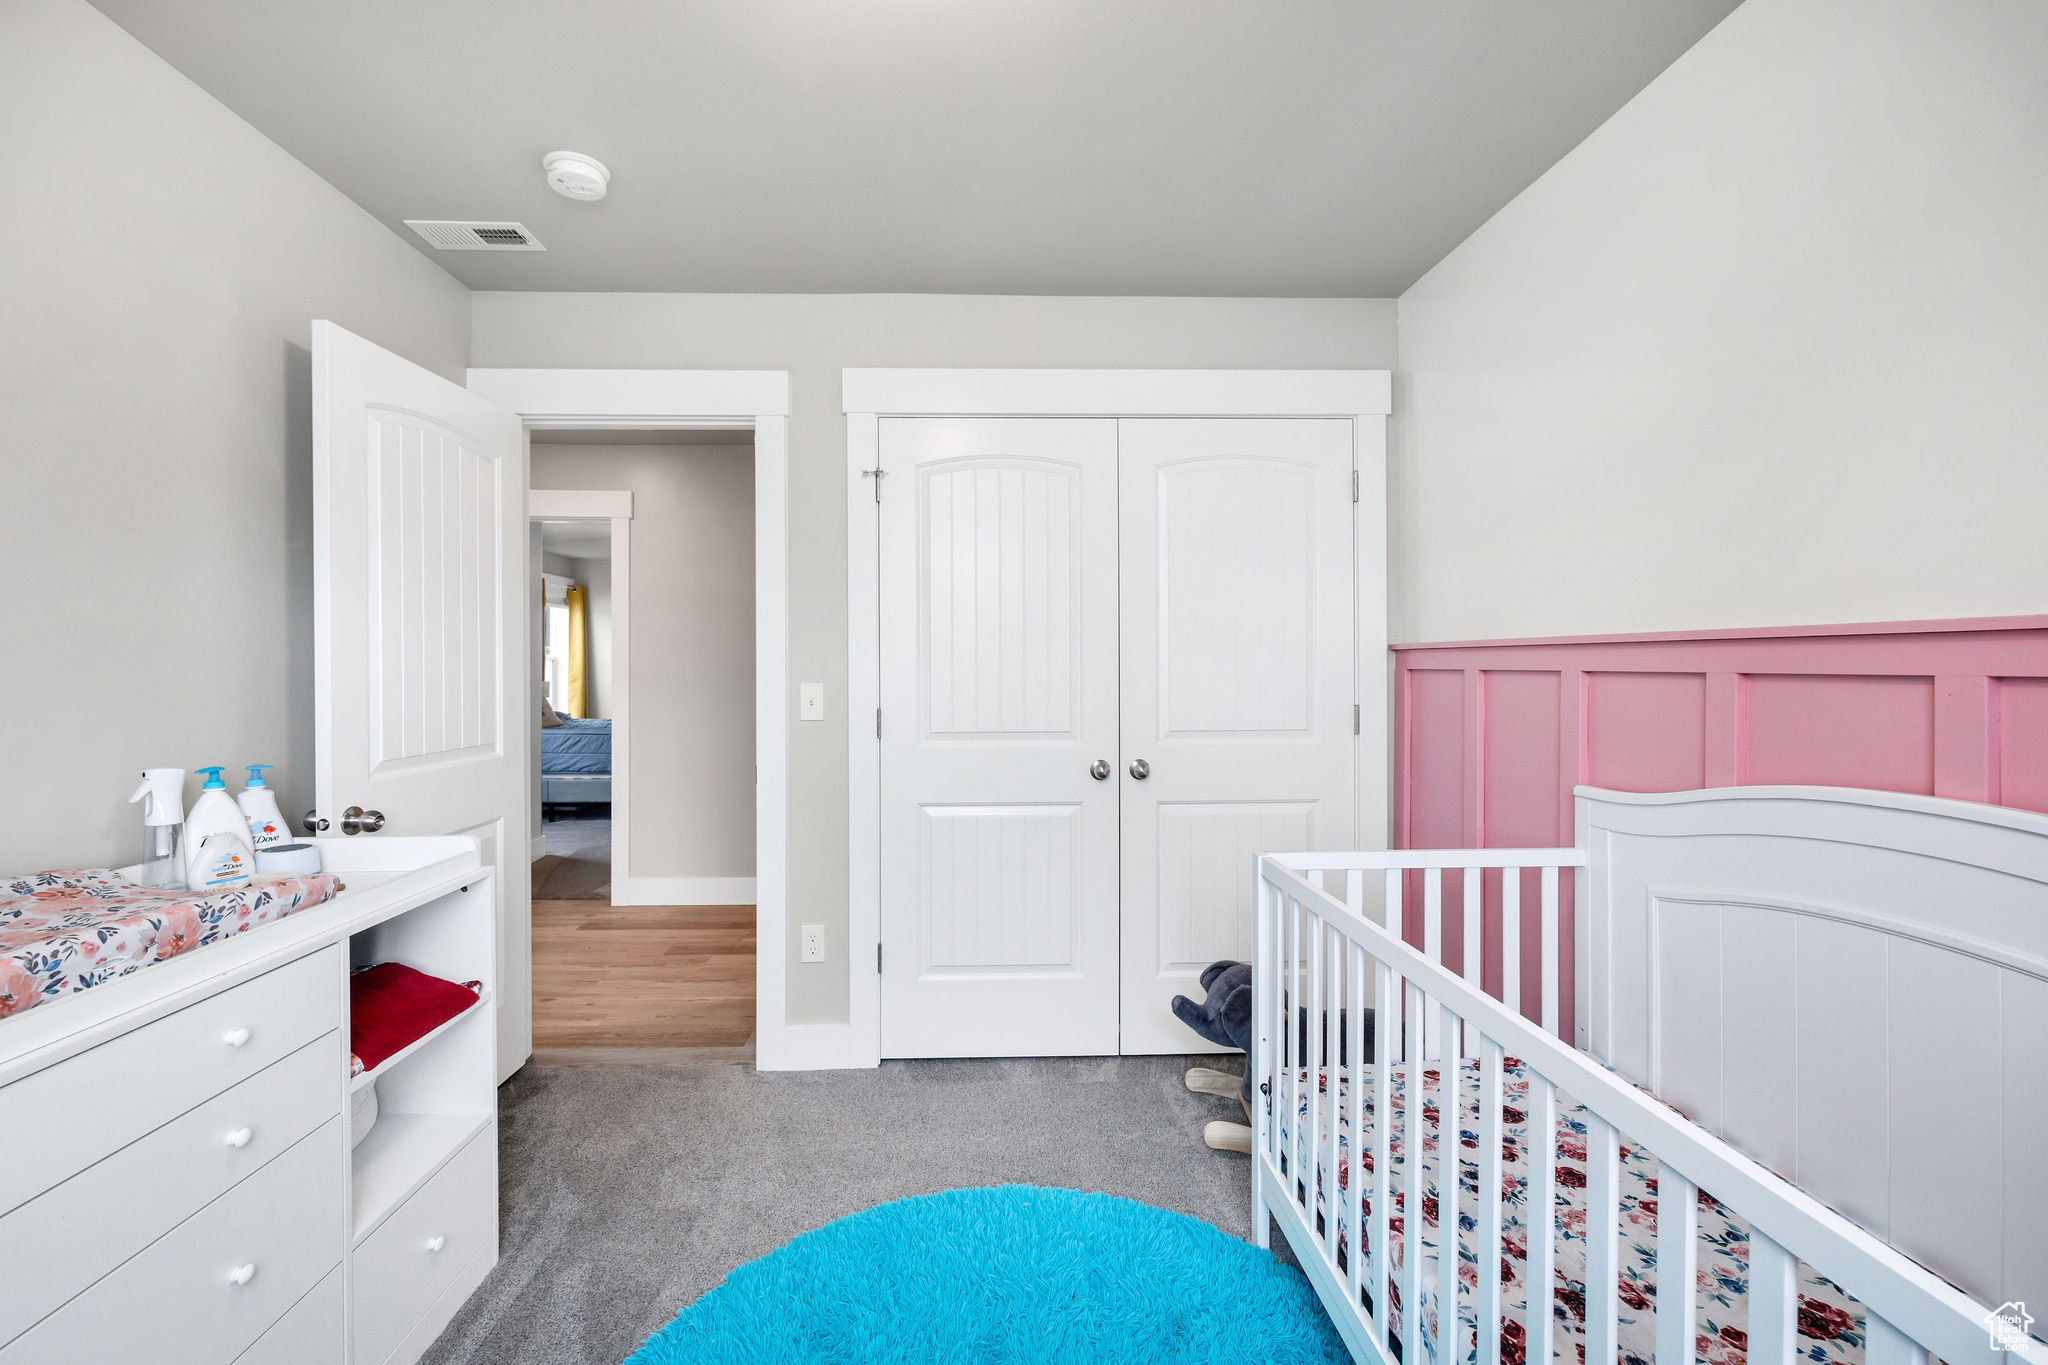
(1354, 717)
(877, 474)
(1354, 485)
(878, 722)
(878, 959)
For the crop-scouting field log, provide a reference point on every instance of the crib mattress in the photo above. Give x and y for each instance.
(1830, 1323)
(67, 931)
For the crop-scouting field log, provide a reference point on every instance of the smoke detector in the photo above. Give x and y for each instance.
(456, 236)
(576, 176)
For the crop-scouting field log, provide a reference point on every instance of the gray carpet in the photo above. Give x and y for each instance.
(578, 863)
(630, 1191)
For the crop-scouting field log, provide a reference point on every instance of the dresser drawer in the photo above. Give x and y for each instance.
(406, 1264)
(55, 1123)
(61, 1242)
(311, 1334)
(178, 1303)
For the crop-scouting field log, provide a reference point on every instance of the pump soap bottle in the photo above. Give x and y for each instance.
(217, 851)
(162, 794)
(259, 808)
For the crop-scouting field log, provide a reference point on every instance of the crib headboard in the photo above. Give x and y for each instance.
(1852, 986)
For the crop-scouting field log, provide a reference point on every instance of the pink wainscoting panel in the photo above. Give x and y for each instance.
(1491, 737)
(1836, 731)
(1646, 732)
(2022, 741)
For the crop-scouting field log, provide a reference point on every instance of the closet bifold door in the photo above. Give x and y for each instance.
(998, 725)
(1236, 656)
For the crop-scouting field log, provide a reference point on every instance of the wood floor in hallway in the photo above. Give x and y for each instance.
(642, 975)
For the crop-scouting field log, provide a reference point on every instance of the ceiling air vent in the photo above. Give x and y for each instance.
(476, 236)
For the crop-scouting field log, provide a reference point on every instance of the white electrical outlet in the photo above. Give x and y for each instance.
(814, 943)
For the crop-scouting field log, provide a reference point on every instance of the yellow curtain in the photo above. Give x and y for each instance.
(577, 690)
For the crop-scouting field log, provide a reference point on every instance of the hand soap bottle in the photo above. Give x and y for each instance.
(162, 794)
(259, 808)
(217, 850)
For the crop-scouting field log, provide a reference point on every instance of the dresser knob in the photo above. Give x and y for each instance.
(236, 1037)
(240, 1137)
(436, 1242)
(242, 1274)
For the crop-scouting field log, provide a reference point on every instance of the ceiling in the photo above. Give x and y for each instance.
(1207, 147)
(577, 539)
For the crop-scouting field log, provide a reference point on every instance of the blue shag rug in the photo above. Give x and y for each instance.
(1013, 1274)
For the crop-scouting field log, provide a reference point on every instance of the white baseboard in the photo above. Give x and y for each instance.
(683, 891)
(537, 848)
(808, 1047)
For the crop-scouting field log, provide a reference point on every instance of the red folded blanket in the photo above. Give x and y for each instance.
(392, 1006)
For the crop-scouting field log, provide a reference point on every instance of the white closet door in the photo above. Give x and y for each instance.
(999, 693)
(1237, 686)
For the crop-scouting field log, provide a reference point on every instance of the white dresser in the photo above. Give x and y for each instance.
(178, 1183)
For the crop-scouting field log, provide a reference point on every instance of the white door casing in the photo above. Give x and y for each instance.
(419, 548)
(998, 697)
(1237, 686)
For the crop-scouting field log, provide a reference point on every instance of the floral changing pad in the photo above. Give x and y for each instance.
(65, 931)
(1830, 1323)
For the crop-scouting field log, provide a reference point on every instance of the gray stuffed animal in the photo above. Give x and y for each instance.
(1225, 1017)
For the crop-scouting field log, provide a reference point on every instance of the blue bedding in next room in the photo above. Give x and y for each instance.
(577, 746)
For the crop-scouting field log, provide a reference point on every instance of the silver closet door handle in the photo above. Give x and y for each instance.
(1140, 769)
(1099, 770)
(356, 820)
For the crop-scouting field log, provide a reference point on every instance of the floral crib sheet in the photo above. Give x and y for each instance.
(1830, 1323)
(67, 931)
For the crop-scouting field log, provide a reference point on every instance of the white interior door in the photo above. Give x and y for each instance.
(1237, 690)
(999, 696)
(420, 619)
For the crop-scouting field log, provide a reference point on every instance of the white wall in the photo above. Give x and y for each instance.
(691, 691)
(813, 336)
(160, 265)
(1769, 347)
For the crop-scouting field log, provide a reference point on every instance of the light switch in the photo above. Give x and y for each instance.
(810, 701)
(814, 942)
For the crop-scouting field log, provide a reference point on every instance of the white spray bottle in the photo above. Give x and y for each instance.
(217, 851)
(162, 794)
(259, 808)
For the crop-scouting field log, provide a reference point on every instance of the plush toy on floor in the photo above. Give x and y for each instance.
(1225, 1018)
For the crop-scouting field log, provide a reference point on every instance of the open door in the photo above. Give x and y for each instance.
(420, 722)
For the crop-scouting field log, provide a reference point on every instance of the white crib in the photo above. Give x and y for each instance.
(1737, 952)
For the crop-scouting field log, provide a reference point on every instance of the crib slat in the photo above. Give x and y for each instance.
(1884, 1344)
(1678, 1223)
(1511, 938)
(1603, 1248)
(1550, 965)
(1433, 948)
(1773, 1301)
(1447, 1147)
(1337, 1190)
(1486, 1308)
(1386, 1006)
(1540, 1215)
(1475, 970)
(1354, 1197)
(1412, 1143)
(1312, 1167)
(1263, 962)
(1290, 1014)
